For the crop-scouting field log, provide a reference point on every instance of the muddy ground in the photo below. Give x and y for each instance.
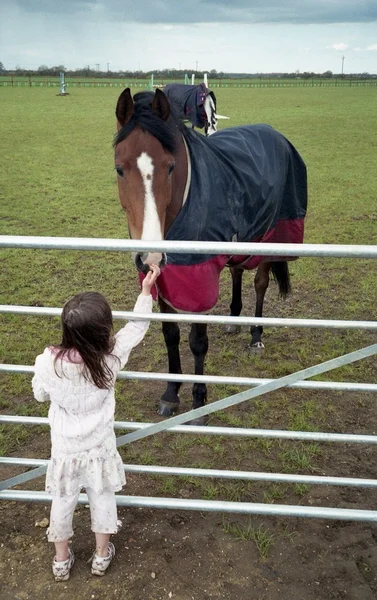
(198, 556)
(188, 556)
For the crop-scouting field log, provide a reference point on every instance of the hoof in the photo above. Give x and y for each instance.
(257, 348)
(233, 329)
(200, 421)
(167, 409)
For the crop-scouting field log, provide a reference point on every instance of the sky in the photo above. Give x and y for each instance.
(227, 35)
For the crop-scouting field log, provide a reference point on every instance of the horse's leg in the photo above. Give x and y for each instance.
(169, 402)
(199, 347)
(236, 303)
(261, 281)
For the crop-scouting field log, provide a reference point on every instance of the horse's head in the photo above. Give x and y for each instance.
(147, 147)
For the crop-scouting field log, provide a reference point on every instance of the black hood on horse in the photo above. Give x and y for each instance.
(189, 102)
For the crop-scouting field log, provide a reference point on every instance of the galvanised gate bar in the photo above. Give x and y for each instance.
(258, 386)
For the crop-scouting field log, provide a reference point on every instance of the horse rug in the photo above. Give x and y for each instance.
(248, 184)
(188, 101)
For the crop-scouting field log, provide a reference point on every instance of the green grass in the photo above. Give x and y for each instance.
(57, 179)
(299, 458)
(274, 493)
(261, 536)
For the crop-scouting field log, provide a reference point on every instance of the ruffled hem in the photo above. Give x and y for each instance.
(98, 469)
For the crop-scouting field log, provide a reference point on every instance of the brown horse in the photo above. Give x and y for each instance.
(240, 184)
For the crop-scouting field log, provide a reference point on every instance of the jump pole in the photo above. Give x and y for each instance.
(63, 86)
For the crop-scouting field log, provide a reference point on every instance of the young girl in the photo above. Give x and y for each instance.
(78, 378)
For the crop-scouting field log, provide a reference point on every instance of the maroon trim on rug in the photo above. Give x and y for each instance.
(195, 288)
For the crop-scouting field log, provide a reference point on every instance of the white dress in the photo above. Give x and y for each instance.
(81, 416)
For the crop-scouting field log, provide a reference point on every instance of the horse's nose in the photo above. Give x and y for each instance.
(143, 260)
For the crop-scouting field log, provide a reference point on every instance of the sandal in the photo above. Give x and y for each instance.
(61, 568)
(101, 563)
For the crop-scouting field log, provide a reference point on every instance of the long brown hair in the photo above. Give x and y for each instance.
(88, 328)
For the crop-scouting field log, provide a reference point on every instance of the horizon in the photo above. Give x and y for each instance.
(92, 72)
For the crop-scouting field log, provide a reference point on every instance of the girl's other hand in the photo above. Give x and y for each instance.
(150, 279)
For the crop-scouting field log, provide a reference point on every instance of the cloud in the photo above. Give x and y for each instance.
(31, 53)
(340, 46)
(211, 11)
(54, 6)
(367, 49)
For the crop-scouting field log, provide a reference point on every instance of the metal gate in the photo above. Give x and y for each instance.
(257, 387)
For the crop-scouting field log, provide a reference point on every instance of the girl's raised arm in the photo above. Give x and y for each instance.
(131, 335)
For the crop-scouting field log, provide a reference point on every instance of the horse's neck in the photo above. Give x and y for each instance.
(181, 181)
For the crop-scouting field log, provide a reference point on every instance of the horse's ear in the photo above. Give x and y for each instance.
(161, 105)
(125, 107)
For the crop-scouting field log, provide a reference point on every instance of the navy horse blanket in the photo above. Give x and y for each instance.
(248, 184)
(188, 101)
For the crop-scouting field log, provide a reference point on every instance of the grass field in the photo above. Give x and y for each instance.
(57, 179)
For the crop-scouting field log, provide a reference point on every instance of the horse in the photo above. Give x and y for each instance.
(242, 184)
(196, 103)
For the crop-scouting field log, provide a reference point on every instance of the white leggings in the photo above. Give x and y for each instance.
(103, 512)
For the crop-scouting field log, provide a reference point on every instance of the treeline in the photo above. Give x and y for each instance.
(87, 71)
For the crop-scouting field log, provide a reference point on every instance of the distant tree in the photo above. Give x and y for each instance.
(175, 74)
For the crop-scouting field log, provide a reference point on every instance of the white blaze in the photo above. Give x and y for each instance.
(151, 224)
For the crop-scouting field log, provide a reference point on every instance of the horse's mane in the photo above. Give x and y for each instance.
(145, 118)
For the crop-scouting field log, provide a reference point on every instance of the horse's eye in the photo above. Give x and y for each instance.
(120, 171)
(171, 168)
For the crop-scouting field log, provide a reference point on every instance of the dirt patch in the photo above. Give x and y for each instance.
(200, 556)
(188, 556)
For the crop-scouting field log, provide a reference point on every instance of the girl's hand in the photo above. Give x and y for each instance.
(150, 279)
